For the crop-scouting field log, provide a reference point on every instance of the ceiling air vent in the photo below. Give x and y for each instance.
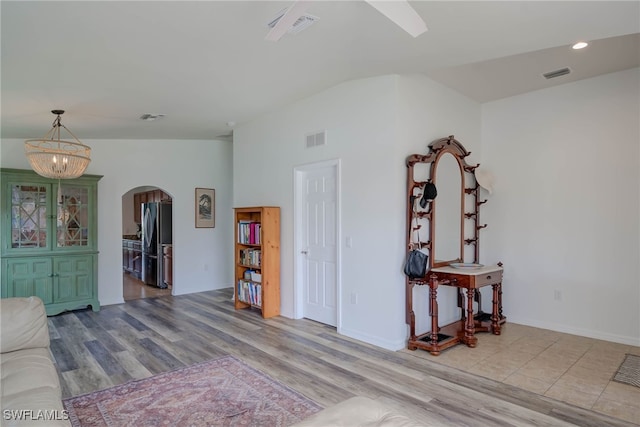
(151, 117)
(557, 73)
(301, 23)
(315, 139)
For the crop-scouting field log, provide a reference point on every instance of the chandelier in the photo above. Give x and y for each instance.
(53, 157)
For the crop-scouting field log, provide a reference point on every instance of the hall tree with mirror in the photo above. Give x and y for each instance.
(449, 229)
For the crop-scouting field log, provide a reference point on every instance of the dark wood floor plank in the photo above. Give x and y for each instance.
(87, 320)
(72, 330)
(132, 365)
(64, 358)
(106, 339)
(104, 358)
(131, 341)
(133, 321)
(162, 355)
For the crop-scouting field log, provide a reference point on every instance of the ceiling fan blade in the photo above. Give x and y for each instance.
(294, 12)
(401, 12)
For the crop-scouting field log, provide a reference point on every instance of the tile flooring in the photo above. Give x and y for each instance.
(569, 368)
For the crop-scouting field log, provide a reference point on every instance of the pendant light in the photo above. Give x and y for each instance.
(53, 157)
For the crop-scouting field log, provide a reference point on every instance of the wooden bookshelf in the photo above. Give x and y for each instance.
(257, 259)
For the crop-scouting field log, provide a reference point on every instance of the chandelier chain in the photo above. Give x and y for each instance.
(53, 157)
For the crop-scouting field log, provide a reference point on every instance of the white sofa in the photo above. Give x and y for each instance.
(359, 411)
(30, 388)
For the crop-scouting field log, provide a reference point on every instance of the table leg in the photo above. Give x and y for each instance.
(496, 308)
(461, 306)
(433, 309)
(411, 317)
(500, 316)
(470, 328)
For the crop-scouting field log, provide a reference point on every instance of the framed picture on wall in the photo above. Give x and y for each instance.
(205, 205)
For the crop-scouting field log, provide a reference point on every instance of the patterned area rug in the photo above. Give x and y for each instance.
(629, 371)
(220, 392)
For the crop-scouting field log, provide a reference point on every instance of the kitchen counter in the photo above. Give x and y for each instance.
(132, 256)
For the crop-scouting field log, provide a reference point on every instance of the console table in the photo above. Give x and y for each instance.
(462, 331)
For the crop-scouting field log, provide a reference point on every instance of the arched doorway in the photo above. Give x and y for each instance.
(147, 243)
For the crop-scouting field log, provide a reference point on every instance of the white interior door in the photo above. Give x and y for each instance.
(318, 242)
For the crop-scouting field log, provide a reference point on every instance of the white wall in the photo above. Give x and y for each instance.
(359, 118)
(564, 216)
(372, 126)
(202, 259)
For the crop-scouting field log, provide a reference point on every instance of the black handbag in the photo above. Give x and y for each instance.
(416, 264)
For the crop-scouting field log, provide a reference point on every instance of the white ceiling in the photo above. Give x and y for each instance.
(206, 63)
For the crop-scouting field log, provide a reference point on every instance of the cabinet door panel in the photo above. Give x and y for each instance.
(74, 278)
(73, 219)
(29, 215)
(29, 277)
(136, 208)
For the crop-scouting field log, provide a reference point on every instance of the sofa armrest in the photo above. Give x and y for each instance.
(23, 324)
(359, 411)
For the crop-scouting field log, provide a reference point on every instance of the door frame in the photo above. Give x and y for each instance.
(298, 209)
(144, 189)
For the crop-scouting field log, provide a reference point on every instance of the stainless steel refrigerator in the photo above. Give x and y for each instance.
(156, 231)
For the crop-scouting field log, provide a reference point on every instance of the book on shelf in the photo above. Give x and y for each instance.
(251, 257)
(249, 232)
(250, 292)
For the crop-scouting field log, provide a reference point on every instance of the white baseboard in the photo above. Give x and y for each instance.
(113, 302)
(374, 340)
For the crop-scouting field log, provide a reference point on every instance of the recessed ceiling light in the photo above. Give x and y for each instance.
(580, 45)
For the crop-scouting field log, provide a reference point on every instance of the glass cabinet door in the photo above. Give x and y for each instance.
(72, 219)
(29, 215)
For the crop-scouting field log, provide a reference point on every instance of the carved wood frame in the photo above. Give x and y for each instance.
(436, 149)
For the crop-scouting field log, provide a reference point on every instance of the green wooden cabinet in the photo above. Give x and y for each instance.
(48, 239)
(23, 277)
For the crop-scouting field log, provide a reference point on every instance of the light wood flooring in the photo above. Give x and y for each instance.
(133, 288)
(146, 336)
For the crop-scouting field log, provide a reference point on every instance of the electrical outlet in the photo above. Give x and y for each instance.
(557, 295)
(354, 298)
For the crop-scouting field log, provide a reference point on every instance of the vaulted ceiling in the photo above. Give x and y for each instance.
(206, 63)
